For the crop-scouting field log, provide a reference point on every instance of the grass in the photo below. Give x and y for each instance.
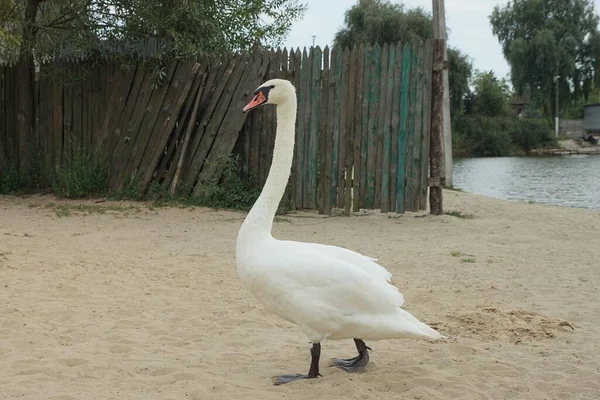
(66, 209)
(84, 175)
(465, 258)
(455, 189)
(230, 192)
(10, 179)
(459, 214)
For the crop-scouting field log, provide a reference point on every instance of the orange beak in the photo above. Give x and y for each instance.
(257, 101)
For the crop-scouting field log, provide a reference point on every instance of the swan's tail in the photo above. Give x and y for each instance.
(412, 325)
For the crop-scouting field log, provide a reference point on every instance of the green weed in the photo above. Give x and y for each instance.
(82, 175)
(458, 214)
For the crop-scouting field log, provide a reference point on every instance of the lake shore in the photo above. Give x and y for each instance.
(126, 301)
(569, 147)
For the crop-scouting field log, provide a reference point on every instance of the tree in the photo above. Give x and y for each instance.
(184, 28)
(379, 21)
(490, 94)
(545, 38)
(459, 75)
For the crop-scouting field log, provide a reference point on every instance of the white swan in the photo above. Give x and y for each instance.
(329, 292)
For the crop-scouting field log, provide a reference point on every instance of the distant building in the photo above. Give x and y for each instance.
(591, 118)
(518, 104)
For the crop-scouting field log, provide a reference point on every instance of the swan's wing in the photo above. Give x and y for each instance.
(366, 263)
(331, 297)
(317, 277)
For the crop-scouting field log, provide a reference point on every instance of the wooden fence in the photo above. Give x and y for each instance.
(362, 135)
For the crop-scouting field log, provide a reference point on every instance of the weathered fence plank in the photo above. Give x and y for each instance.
(57, 122)
(3, 117)
(427, 69)
(375, 68)
(411, 176)
(295, 63)
(358, 104)
(302, 114)
(315, 113)
(418, 105)
(402, 136)
(380, 121)
(350, 124)
(387, 89)
(344, 94)
(329, 159)
(364, 145)
(337, 109)
(323, 191)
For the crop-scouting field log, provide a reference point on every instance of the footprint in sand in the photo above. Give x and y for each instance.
(120, 348)
(65, 340)
(162, 371)
(72, 362)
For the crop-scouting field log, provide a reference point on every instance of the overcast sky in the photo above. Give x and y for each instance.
(467, 21)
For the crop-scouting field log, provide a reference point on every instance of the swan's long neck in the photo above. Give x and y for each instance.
(259, 222)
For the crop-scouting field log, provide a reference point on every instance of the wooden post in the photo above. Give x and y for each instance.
(436, 153)
(439, 32)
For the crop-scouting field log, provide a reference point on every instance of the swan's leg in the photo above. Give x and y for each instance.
(356, 364)
(313, 372)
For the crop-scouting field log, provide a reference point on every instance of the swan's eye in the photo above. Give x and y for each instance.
(272, 86)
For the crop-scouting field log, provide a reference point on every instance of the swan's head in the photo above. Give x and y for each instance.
(274, 91)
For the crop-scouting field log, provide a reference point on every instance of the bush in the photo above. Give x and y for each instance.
(231, 191)
(82, 175)
(499, 137)
(10, 180)
(529, 134)
(480, 137)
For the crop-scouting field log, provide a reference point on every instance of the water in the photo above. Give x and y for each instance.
(572, 181)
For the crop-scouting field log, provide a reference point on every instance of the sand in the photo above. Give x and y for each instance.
(121, 301)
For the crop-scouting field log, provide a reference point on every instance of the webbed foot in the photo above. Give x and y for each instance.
(356, 364)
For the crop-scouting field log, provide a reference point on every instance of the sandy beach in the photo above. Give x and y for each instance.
(128, 301)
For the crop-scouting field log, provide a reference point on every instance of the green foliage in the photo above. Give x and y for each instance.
(481, 136)
(459, 74)
(81, 175)
(133, 189)
(231, 191)
(10, 179)
(174, 28)
(379, 21)
(10, 41)
(491, 94)
(529, 134)
(545, 38)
